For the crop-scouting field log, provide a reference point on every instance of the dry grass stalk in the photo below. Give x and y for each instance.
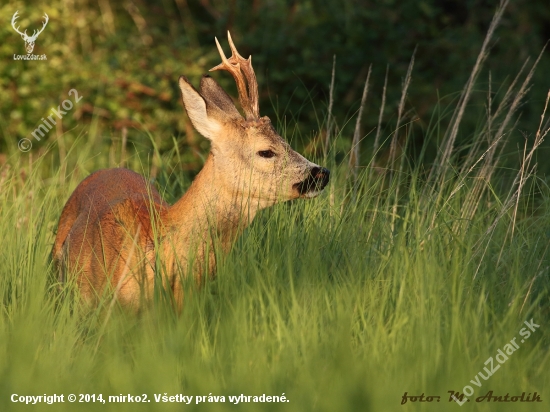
(401, 108)
(443, 159)
(354, 154)
(330, 103)
(472, 153)
(525, 172)
(123, 147)
(379, 127)
(484, 177)
(521, 177)
(394, 142)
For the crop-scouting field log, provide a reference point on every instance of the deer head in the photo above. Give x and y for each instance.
(29, 40)
(250, 158)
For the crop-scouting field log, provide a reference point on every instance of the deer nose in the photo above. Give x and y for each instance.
(316, 181)
(321, 177)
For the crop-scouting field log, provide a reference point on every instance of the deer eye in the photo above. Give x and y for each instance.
(268, 154)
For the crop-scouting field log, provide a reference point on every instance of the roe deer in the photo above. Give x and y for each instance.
(115, 224)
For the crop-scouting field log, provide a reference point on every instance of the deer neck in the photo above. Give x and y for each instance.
(210, 211)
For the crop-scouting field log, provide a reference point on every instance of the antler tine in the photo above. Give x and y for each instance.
(235, 70)
(43, 25)
(47, 19)
(222, 55)
(13, 20)
(37, 32)
(246, 67)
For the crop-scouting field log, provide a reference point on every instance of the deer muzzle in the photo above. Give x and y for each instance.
(314, 183)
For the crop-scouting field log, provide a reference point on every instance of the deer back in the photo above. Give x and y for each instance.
(106, 232)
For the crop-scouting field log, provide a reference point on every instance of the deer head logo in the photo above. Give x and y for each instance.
(29, 40)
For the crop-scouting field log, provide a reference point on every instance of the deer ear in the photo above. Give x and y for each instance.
(195, 105)
(215, 95)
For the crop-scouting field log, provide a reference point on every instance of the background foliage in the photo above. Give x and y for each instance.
(125, 58)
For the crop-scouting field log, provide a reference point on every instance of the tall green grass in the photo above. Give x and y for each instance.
(399, 278)
(340, 303)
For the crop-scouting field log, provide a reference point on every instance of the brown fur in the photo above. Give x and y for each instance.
(97, 228)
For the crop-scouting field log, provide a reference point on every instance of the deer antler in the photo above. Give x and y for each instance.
(13, 19)
(37, 32)
(24, 34)
(237, 65)
(246, 67)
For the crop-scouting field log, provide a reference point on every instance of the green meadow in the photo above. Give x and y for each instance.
(413, 273)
